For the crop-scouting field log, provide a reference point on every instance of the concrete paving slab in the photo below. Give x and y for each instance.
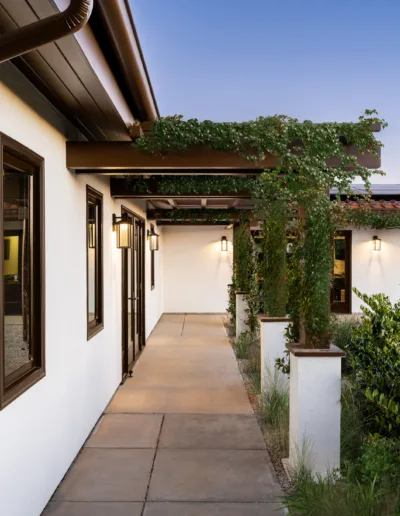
(213, 475)
(221, 432)
(107, 475)
(93, 509)
(231, 400)
(212, 509)
(126, 431)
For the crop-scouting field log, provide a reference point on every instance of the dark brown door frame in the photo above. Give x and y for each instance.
(137, 273)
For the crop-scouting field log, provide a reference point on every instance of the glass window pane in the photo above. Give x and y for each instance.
(339, 271)
(92, 225)
(17, 270)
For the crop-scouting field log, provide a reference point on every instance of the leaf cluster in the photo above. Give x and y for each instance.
(374, 355)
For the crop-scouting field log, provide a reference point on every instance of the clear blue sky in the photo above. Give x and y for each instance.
(323, 60)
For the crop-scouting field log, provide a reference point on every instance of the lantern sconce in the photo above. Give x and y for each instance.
(377, 243)
(224, 244)
(92, 234)
(123, 226)
(152, 236)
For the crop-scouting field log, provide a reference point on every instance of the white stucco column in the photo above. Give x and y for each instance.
(273, 345)
(315, 389)
(241, 313)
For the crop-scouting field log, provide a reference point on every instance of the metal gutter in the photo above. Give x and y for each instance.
(117, 19)
(29, 37)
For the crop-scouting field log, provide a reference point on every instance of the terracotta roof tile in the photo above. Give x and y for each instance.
(373, 205)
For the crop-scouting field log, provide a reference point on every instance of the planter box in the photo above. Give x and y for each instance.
(315, 390)
(273, 345)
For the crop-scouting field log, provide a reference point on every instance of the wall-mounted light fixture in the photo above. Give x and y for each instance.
(123, 227)
(224, 244)
(92, 234)
(377, 243)
(153, 240)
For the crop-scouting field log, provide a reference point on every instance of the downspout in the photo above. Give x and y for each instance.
(29, 37)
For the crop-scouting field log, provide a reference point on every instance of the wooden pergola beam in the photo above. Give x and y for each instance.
(110, 157)
(167, 217)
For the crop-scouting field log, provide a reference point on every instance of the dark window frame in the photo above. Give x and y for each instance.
(346, 307)
(29, 374)
(94, 327)
(152, 264)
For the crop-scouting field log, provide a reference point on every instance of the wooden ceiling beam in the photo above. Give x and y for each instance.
(123, 156)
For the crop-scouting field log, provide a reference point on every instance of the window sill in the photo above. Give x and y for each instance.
(21, 386)
(91, 332)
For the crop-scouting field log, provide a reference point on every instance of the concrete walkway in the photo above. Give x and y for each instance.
(178, 439)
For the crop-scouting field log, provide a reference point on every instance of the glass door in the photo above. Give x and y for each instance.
(132, 295)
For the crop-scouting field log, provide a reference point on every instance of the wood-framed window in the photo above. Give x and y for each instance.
(341, 283)
(22, 290)
(94, 265)
(152, 264)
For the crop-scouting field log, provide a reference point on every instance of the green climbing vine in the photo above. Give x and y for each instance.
(310, 159)
(190, 185)
(364, 217)
(242, 249)
(196, 216)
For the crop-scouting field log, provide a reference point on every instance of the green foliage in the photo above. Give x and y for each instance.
(380, 460)
(191, 185)
(241, 255)
(247, 347)
(242, 345)
(334, 496)
(283, 363)
(374, 357)
(275, 264)
(342, 329)
(274, 411)
(314, 159)
(252, 366)
(252, 295)
(302, 148)
(196, 216)
(232, 302)
(365, 218)
(316, 268)
(352, 423)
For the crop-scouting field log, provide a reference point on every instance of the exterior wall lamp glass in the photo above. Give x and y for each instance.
(123, 227)
(377, 243)
(92, 234)
(153, 240)
(224, 244)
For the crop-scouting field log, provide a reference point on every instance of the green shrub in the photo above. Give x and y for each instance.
(274, 411)
(373, 353)
(336, 496)
(380, 460)
(252, 366)
(352, 424)
(242, 344)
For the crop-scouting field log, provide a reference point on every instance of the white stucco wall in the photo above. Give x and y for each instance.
(196, 271)
(42, 431)
(375, 271)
